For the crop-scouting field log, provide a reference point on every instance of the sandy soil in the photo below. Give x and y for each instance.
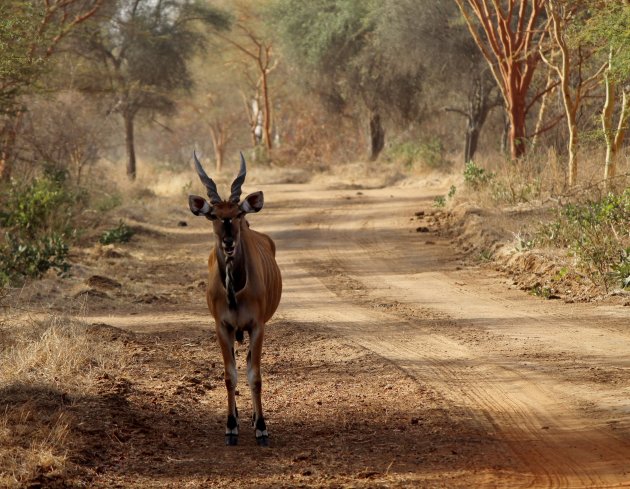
(388, 364)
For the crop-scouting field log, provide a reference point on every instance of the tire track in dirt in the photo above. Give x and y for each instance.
(535, 416)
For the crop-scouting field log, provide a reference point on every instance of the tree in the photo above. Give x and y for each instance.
(335, 45)
(139, 56)
(508, 34)
(425, 36)
(607, 29)
(30, 32)
(569, 66)
(250, 41)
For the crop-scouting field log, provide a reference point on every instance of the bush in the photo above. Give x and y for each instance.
(32, 259)
(120, 234)
(476, 177)
(37, 219)
(597, 234)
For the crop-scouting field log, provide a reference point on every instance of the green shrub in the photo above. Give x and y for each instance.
(32, 259)
(120, 234)
(37, 220)
(476, 177)
(42, 207)
(598, 235)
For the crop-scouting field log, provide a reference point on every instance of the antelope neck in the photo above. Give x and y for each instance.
(236, 266)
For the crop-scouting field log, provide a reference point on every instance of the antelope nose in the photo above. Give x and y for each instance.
(228, 242)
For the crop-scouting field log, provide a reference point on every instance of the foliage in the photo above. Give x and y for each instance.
(605, 26)
(17, 66)
(336, 45)
(37, 219)
(119, 234)
(440, 200)
(32, 258)
(476, 177)
(597, 234)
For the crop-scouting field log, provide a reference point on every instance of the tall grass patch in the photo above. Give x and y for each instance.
(47, 367)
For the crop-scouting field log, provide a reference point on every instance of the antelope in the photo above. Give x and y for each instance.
(244, 288)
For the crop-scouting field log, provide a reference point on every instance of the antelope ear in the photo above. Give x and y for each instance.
(199, 206)
(252, 203)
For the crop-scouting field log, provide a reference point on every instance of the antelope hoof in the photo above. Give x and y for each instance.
(263, 441)
(262, 436)
(231, 431)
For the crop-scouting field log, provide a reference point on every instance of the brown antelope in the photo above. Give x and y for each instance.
(244, 288)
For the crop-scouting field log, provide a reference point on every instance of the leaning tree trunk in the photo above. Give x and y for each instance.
(377, 136)
(479, 106)
(472, 139)
(129, 144)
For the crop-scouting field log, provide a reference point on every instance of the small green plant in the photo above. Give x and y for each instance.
(560, 275)
(120, 234)
(522, 242)
(33, 259)
(439, 201)
(451, 192)
(476, 177)
(541, 291)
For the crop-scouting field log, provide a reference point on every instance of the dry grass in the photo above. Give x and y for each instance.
(542, 177)
(46, 364)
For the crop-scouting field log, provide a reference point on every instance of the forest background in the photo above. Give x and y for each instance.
(526, 101)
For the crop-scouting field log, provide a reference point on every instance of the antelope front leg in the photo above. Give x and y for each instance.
(225, 335)
(255, 383)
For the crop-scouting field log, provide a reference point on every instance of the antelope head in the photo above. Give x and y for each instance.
(226, 215)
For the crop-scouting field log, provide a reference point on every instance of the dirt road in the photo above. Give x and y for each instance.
(387, 365)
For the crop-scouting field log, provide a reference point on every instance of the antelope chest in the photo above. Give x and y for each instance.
(245, 313)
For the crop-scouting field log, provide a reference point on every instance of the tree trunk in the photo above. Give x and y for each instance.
(377, 136)
(573, 157)
(542, 110)
(472, 139)
(505, 134)
(610, 167)
(479, 106)
(218, 144)
(517, 116)
(129, 143)
(266, 112)
(9, 136)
